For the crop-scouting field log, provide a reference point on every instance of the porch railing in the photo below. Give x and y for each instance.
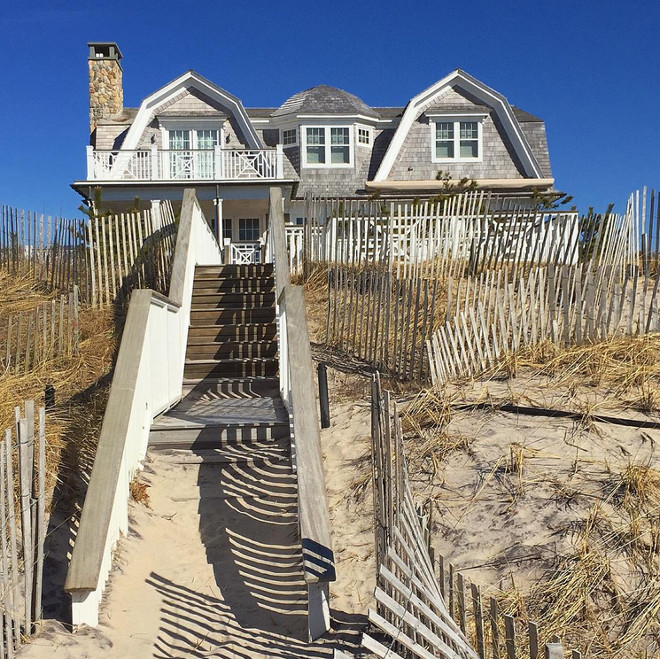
(155, 164)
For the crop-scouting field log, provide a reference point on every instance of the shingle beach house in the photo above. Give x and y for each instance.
(321, 141)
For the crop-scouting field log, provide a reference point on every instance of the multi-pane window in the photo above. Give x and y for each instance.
(457, 140)
(340, 153)
(364, 136)
(180, 139)
(316, 146)
(226, 228)
(191, 153)
(444, 139)
(248, 229)
(469, 139)
(328, 146)
(289, 137)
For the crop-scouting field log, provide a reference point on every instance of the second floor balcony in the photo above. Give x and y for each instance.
(155, 164)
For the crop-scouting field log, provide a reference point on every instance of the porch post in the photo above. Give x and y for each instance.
(90, 163)
(154, 164)
(279, 155)
(219, 229)
(217, 162)
(155, 214)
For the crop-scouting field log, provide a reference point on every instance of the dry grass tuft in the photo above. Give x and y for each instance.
(139, 492)
(316, 298)
(629, 366)
(72, 427)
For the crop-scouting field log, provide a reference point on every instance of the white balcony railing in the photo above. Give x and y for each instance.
(155, 164)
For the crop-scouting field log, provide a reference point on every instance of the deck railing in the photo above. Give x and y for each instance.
(155, 164)
(298, 393)
(146, 381)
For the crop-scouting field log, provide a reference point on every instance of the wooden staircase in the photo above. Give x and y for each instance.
(232, 323)
(230, 386)
(231, 432)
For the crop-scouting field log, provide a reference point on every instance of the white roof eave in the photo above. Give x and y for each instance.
(480, 91)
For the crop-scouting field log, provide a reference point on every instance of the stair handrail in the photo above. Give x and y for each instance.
(297, 389)
(147, 380)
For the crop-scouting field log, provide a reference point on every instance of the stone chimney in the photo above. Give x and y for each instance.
(106, 94)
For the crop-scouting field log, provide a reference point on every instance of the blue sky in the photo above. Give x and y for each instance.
(589, 69)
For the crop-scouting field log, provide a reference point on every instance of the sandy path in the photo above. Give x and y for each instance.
(207, 526)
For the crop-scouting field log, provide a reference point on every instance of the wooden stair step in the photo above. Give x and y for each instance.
(202, 334)
(235, 271)
(230, 367)
(231, 349)
(229, 300)
(217, 435)
(237, 316)
(210, 286)
(251, 387)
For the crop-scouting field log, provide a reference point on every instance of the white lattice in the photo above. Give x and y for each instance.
(245, 253)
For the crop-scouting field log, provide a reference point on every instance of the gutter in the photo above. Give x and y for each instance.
(437, 186)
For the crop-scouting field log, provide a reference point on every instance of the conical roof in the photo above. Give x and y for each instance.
(323, 99)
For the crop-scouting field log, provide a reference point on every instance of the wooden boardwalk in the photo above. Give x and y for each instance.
(233, 432)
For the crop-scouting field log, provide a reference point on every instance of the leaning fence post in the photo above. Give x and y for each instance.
(478, 620)
(510, 631)
(25, 480)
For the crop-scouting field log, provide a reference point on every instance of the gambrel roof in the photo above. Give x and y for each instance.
(490, 98)
(180, 86)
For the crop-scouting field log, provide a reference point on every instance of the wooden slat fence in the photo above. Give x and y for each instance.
(23, 523)
(105, 257)
(492, 317)
(424, 607)
(385, 302)
(381, 318)
(50, 249)
(30, 338)
(410, 613)
(128, 251)
(450, 238)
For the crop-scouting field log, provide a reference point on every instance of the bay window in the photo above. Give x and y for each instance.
(327, 146)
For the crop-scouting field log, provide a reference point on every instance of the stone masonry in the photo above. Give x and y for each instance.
(106, 95)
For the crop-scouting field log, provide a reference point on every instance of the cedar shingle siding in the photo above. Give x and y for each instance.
(413, 161)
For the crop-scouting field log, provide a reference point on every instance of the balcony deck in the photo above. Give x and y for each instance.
(215, 164)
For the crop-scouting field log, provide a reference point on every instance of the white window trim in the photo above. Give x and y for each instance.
(456, 119)
(369, 131)
(192, 124)
(327, 164)
(291, 144)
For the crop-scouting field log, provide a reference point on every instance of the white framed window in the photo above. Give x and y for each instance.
(456, 139)
(327, 146)
(364, 136)
(191, 153)
(248, 229)
(188, 145)
(289, 137)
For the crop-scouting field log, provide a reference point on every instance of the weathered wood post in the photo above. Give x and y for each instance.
(324, 402)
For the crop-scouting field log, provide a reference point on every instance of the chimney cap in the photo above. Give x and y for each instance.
(104, 50)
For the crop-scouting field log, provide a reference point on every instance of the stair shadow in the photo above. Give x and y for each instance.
(198, 625)
(249, 528)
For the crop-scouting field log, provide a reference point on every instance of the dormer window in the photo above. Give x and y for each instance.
(456, 139)
(289, 137)
(189, 144)
(327, 146)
